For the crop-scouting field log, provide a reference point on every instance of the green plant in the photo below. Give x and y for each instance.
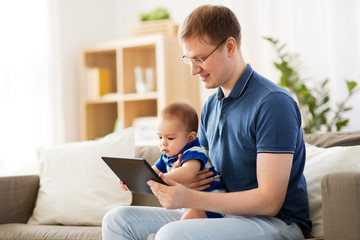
(157, 14)
(314, 103)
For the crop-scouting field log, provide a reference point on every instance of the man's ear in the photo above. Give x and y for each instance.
(192, 136)
(231, 46)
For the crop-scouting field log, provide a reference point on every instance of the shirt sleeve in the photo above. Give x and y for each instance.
(161, 165)
(198, 153)
(202, 131)
(278, 123)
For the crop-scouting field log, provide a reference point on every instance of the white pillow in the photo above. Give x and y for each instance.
(320, 162)
(76, 186)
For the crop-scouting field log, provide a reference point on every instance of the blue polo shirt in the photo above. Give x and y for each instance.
(258, 116)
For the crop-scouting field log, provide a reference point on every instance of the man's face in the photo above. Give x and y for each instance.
(213, 72)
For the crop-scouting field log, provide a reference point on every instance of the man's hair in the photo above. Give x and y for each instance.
(184, 113)
(214, 21)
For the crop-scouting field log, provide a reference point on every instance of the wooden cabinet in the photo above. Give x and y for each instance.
(155, 57)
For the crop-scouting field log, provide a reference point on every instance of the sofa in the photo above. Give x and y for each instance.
(338, 202)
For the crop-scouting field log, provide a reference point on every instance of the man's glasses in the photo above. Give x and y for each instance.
(200, 61)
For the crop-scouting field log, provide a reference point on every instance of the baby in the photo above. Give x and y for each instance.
(177, 130)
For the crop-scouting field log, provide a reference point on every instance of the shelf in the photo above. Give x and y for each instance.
(100, 119)
(140, 96)
(105, 99)
(103, 59)
(138, 108)
(126, 60)
(142, 57)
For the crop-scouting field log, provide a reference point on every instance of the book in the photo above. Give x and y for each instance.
(97, 82)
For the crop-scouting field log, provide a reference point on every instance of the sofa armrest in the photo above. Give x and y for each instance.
(17, 198)
(341, 205)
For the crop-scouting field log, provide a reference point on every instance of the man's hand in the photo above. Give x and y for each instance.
(172, 195)
(201, 181)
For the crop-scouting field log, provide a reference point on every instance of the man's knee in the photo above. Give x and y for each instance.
(174, 231)
(114, 217)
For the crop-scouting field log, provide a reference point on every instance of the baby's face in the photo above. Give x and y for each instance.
(173, 136)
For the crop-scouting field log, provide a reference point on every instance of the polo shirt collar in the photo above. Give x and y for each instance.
(239, 85)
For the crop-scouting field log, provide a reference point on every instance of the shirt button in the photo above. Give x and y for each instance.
(223, 115)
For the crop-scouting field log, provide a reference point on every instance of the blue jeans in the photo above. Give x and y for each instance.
(139, 222)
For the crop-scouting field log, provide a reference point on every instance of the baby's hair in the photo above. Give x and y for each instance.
(183, 112)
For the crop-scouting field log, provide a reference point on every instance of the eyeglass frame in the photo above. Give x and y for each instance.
(199, 61)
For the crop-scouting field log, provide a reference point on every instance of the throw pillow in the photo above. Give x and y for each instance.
(320, 162)
(76, 186)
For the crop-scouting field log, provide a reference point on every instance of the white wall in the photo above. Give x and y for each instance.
(324, 32)
(78, 23)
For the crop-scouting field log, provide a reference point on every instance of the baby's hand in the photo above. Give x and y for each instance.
(123, 186)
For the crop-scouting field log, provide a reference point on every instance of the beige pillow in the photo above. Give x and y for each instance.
(320, 162)
(76, 186)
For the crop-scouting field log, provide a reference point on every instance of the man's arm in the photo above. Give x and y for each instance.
(273, 172)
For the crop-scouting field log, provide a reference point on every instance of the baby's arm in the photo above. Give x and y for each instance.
(156, 169)
(186, 173)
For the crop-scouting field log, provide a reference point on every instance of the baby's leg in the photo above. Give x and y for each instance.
(193, 213)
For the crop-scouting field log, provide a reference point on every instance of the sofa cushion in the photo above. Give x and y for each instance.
(151, 154)
(333, 139)
(320, 162)
(76, 186)
(17, 198)
(47, 232)
(341, 205)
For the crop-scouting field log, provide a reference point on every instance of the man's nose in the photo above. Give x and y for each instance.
(195, 69)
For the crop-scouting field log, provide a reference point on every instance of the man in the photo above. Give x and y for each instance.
(252, 129)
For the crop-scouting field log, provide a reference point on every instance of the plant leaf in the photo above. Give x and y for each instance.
(324, 83)
(341, 124)
(350, 85)
(347, 109)
(325, 99)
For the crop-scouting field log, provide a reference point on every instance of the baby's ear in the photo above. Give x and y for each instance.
(192, 136)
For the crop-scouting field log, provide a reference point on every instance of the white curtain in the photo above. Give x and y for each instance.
(28, 95)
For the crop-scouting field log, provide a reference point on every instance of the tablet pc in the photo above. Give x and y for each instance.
(134, 172)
